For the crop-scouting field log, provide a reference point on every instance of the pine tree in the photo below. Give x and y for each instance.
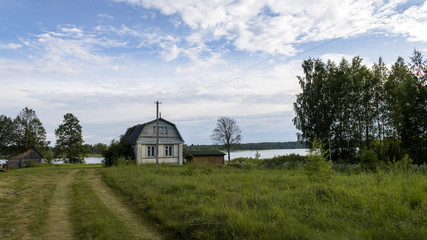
(69, 142)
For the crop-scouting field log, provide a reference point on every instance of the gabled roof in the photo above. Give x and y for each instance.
(133, 133)
(207, 153)
(23, 154)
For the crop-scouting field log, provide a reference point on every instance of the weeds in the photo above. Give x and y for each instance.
(233, 203)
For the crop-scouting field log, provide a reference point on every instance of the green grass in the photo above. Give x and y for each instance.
(91, 219)
(93, 155)
(229, 203)
(25, 196)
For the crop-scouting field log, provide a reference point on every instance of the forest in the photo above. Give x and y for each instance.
(378, 111)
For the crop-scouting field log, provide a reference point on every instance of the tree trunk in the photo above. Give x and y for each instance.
(228, 150)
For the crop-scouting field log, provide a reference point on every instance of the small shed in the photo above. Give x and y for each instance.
(21, 160)
(208, 156)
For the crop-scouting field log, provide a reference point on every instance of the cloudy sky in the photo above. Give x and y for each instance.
(107, 61)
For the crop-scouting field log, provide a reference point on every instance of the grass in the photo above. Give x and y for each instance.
(228, 203)
(24, 202)
(91, 219)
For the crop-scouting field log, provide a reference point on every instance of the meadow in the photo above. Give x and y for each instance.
(248, 199)
(206, 202)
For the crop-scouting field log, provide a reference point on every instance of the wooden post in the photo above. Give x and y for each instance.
(157, 134)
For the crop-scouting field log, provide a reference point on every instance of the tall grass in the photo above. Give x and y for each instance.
(251, 203)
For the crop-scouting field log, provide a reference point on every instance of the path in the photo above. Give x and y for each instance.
(136, 226)
(58, 223)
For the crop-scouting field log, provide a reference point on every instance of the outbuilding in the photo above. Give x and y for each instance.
(21, 160)
(208, 156)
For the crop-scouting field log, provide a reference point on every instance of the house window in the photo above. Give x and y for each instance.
(168, 150)
(151, 151)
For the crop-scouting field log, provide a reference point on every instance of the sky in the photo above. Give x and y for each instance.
(108, 61)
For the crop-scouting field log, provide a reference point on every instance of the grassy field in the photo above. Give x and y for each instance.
(229, 203)
(66, 202)
(204, 202)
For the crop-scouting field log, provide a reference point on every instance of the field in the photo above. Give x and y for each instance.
(205, 202)
(229, 203)
(66, 202)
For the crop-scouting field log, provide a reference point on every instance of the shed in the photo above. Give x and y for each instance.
(21, 160)
(208, 156)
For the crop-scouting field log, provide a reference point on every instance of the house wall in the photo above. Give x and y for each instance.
(168, 135)
(212, 159)
(22, 160)
(176, 158)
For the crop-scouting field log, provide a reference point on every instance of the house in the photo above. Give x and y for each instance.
(142, 137)
(22, 159)
(210, 156)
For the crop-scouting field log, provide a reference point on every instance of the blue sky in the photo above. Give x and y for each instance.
(107, 61)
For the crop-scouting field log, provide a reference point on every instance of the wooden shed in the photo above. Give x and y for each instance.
(208, 156)
(22, 159)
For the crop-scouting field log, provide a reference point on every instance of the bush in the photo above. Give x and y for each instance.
(287, 161)
(317, 166)
(369, 160)
(119, 152)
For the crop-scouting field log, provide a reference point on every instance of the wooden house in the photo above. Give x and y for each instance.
(22, 159)
(209, 156)
(142, 137)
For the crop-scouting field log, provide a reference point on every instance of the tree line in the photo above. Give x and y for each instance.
(249, 146)
(26, 130)
(355, 108)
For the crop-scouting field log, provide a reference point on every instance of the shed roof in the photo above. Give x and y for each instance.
(23, 154)
(207, 153)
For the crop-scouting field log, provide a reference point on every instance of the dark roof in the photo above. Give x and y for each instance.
(20, 155)
(207, 153)
(134, 132)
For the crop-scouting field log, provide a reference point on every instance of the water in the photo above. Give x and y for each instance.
(88, 160)
(265, 153)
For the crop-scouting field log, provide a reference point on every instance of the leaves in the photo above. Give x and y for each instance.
(69, 143)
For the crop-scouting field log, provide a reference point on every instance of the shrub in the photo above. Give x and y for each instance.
(317, 166)
(369, 160)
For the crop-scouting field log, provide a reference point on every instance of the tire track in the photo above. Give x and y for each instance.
(59, 224)
(136, 226)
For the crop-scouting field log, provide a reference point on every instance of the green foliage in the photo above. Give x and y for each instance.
(69, 142)
(349, 107)
(369, 160)
(291, 161)
(119, 152)
(187, 156)
(317, 166)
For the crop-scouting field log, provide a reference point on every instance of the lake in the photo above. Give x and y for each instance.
(266, 153)
(234, 154)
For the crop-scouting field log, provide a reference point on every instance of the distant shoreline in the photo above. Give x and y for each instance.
(250, 146)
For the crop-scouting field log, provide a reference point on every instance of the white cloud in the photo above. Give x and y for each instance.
(275, 26)
(105, 16)
(10, 46)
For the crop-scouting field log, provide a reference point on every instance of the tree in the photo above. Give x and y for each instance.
(226, 133)
(119, 152)
(69, 142)
(7, 131)
(29, 131)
